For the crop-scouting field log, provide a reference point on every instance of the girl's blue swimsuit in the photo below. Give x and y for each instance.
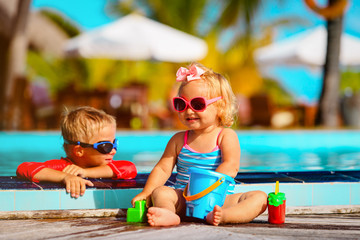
(190, 158)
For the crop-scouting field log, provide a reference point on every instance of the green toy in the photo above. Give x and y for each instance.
(276, 198)
(138, 213)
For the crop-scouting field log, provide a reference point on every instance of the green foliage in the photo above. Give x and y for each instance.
(101, 74)
(63, 23)
(350, 81)
(235, 10)
(184, 15)
(277, 93)
(53, 70)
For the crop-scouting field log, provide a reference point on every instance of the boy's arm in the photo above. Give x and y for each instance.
(162, 170)
(74, 185)
(114, 169)
(52, 171)
(28, 170)
(50, 175)
(103, 171)
(230, 150)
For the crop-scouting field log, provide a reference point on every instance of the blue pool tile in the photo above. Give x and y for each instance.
(7, 199)
(92, 199)
(120, 198)
(252, 187)
(297, 194)
(37, 200)
(331, 194)
(355, 194)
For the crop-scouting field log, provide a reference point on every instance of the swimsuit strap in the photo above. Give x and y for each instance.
(187, 132)
(185, 137)
(217, 139)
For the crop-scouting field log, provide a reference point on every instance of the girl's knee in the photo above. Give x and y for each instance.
(262, 196)
(169, 198)
(162, 191)
(257, 195)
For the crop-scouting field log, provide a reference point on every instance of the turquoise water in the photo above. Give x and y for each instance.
(261, 150)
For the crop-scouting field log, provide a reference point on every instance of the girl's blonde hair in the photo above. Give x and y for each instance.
(218, 85)
(82, 123)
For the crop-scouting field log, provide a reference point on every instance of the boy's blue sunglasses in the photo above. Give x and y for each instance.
(104, 147)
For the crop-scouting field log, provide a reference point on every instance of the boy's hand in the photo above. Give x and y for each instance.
(76, 185)
(75, 170)
(139, 197)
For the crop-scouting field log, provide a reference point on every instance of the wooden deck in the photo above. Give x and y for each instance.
(329, 226)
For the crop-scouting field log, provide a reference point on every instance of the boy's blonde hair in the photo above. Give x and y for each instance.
(218, 85)
(82, 123)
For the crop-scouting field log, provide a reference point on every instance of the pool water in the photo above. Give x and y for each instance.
(264, 151)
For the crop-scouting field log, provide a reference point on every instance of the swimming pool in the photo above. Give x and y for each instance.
(266, 151)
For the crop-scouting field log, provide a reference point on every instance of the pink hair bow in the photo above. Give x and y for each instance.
(193, 73)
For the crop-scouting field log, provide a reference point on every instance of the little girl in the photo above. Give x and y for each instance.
(206, 106)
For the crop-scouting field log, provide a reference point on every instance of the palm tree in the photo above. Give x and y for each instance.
(239, 11)
(328, 114)
(329, 105)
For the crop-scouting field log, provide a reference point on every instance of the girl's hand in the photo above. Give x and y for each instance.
(75, 170)
(76, 185)
(141, 196)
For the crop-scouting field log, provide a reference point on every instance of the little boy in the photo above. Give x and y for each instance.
(90, 145)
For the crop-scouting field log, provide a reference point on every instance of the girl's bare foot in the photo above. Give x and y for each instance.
(162, 217)
(215, 216)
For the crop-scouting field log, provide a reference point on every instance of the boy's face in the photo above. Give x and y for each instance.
(91, 157)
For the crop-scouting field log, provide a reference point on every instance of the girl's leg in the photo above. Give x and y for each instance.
(239, 208)
(168, 206)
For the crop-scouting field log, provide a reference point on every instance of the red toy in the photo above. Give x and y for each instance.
(276, 206)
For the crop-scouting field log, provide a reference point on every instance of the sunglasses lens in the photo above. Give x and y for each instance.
(179, 104)
(198, 104)
(105, 148)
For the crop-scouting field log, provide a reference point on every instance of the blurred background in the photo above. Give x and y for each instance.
(292, 64)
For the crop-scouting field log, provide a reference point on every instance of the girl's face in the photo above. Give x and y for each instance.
(91, 157)
(197, 120)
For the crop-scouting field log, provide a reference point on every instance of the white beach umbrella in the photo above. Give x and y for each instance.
(135, 37)
(309, 48)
